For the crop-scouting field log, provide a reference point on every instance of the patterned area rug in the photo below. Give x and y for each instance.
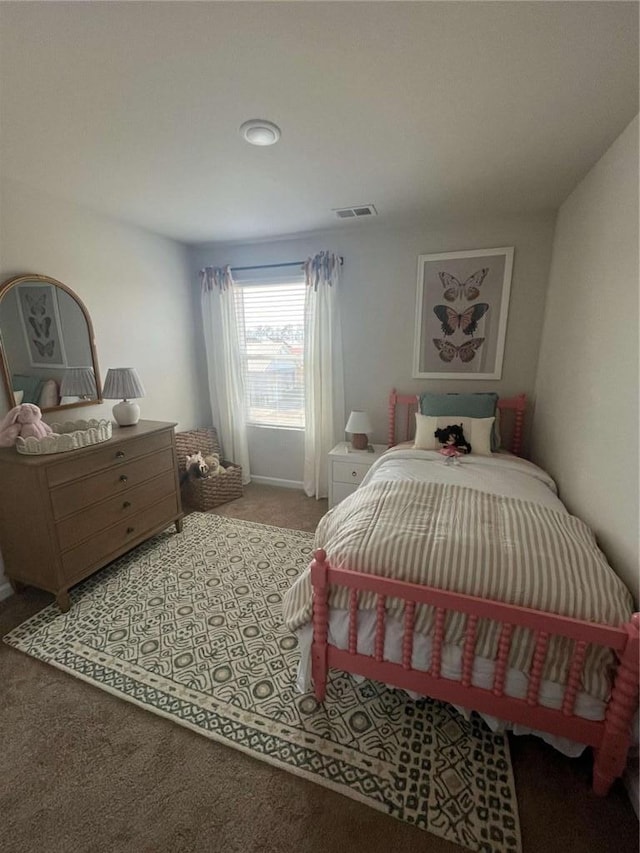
(189, 626)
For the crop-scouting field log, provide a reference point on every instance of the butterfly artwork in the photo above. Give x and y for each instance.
(40, 327)
(468, 289)
(460, 321)
(45, 349)
(37, 304)
(466, 321)
(465, 352)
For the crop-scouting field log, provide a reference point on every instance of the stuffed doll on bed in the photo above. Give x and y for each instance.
(453, 443)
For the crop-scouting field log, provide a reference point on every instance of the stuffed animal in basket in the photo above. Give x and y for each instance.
(199, 467)
(453, 442)
(24, 420)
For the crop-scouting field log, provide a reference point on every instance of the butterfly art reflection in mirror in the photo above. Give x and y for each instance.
(41, 320)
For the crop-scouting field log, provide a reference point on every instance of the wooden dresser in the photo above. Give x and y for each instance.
(65, 515)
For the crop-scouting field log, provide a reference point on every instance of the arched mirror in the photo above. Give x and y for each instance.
(47, 348)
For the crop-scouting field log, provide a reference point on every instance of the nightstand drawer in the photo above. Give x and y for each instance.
(349, 472)
(347, 469)
(342, 491)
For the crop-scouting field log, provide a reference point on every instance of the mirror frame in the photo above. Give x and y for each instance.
(4, 365)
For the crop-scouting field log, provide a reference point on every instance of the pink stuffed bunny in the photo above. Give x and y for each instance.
(24, 420)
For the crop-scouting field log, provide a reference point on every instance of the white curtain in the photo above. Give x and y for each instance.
(323, 370)
(226, 382)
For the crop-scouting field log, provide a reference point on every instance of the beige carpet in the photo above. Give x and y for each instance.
(83, 771)
(190, 627)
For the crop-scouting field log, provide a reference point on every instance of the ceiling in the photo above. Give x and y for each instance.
(425, 109)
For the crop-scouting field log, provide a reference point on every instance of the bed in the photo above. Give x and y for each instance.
(472, 584)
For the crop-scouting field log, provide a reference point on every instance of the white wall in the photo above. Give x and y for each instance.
(136, 288)
(585, 430)
(378, 309)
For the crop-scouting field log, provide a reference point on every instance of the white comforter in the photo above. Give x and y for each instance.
(499, 474)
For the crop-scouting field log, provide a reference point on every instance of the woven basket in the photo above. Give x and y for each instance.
(210, 492)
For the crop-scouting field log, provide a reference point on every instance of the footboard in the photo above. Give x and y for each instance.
(610, 737)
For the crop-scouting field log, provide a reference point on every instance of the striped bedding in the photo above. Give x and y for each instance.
(444, 534)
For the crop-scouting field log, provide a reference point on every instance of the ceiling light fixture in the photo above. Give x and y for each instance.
(257, 131)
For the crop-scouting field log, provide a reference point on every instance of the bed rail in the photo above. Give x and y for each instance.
(610, 737)
(402, 408)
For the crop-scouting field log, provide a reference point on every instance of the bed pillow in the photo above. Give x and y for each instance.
(29, 385)
(496, 435)
(482, 404)
(477, 432)
(49, 394)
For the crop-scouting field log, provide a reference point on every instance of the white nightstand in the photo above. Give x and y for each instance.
(347, 468)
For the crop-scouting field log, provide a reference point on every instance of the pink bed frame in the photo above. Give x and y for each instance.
(610, 738)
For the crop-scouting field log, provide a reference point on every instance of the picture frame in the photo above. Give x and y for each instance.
(462, 306)
(40, 315)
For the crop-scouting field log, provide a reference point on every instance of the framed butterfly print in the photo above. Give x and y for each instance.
(461, 314)
(40, 315)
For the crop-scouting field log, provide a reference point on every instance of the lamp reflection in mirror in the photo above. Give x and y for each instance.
(359, 426)
(123, 383)
(78, 383)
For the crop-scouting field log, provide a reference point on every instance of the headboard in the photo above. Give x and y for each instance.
(402, 408)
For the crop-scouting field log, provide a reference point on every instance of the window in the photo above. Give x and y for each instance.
(271, 326)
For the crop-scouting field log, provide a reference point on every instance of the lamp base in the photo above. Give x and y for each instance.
(359, 441)
(126, 413)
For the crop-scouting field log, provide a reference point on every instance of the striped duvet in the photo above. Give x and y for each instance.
(460, 538)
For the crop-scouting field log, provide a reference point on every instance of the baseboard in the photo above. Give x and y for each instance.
(272, 481)
(5, 590)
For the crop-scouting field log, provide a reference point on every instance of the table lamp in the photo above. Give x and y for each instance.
(359, 426)
(79, 382)
(123, 383)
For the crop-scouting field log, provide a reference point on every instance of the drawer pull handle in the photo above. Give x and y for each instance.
(354, 473)
(126, 505)
(120, 454)
(130, 529)
(123, 478)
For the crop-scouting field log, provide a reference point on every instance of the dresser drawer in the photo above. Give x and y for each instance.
(114, 539)
(345, 472)
(114, 482)
(76, 528)
(107, 456)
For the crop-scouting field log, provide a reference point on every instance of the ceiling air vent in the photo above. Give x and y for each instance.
(352, 212)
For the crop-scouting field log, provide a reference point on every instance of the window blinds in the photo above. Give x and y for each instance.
(271, 326)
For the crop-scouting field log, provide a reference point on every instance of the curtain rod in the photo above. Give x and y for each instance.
(271, 266)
